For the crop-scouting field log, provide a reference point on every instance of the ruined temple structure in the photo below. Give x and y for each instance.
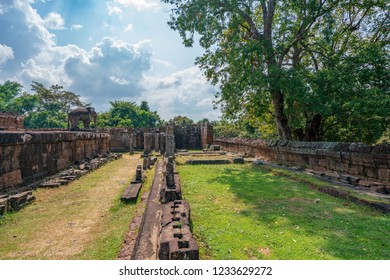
(194, 137)
(11, 121)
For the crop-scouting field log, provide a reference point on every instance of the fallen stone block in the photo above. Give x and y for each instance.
(239, 160)
(131, 193)
(18, 200)
(349, 179)
(215, 147)
(332, 174)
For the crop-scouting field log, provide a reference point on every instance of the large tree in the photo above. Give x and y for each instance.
(129, 114)
(310, 63)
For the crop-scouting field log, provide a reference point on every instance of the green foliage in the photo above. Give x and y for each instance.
(312, 65)
(181, 120)
(128, 114)
(45, 108)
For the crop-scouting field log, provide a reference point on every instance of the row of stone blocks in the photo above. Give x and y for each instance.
(78, 170)
(175, 240)
(131, 192)
(14, 202)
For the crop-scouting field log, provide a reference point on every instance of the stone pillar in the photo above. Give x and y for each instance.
(138, 174)
(147, 143)
(139, 143)
(169, 142)
(152, 142)
(157, 142)
(133, 143)
(169, 173)
(145, 163)
(207, 135)
(162, 143)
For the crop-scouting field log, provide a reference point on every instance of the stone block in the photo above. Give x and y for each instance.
(18, 200)
(131, 193)
(238, 160)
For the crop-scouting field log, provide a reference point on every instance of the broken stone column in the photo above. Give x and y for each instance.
(157, 142)
(162, 144)
(169, 146)
(133, 143)
(169, 141)
(138, 174)
(145, 163)
(169, 173)
(147, 143)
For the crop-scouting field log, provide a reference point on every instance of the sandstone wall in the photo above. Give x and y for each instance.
(186, 137)
(366, 162)
(10, 121)
(30, 155)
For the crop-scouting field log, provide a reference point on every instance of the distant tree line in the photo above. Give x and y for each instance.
(49, 107)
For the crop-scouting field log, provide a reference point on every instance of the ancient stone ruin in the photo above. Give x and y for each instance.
(11, 121)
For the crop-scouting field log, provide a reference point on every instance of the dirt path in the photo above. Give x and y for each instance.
(67, 222)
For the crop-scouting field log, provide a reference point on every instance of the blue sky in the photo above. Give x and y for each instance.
(104, 50)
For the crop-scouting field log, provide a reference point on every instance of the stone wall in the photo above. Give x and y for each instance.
(31, 155)
(186, 137)
(365, 162)
(10, 121)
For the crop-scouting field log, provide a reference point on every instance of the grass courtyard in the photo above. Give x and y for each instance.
(238, 212)
(246, 212)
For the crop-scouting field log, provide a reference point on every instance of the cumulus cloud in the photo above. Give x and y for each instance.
(76, 27)
(139, 4)
(113, 69)
(54, 21)
(184, 92)
(6, 53)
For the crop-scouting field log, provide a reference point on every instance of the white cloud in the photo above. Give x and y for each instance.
(113, 10)
(54, 21)
(185, 93)
(113, 69)
(76, 27)
(139, 4)
(119, 81)
(128, 28)
(6, 53)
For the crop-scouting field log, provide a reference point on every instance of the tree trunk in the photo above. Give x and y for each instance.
(280, 118)
(313, 129)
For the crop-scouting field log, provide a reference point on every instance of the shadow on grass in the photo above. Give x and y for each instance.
(328, 227)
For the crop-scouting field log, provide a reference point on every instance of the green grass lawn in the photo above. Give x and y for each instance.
(246, 212)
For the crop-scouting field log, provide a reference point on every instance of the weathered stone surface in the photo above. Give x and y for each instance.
(30, 156)
(238, 160)
(359, 160)
(10, 121)
(131, 192)
(169, 146)
(176, 241)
